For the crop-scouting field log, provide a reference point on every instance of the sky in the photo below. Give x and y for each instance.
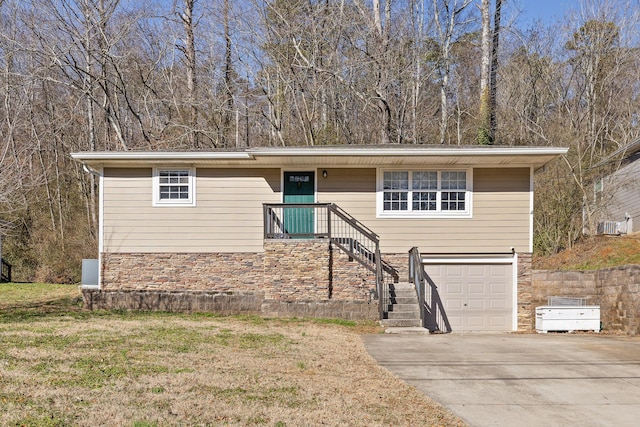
(548, 11)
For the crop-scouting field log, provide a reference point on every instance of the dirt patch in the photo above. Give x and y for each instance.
(593, 253)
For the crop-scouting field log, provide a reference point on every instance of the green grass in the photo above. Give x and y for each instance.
(29, 294)
(61, 365)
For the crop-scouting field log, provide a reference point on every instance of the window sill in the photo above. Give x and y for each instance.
(448, 215)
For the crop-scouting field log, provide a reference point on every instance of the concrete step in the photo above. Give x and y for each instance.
(404, 311)
(403, 315)
(403, 300)
(402, 285)
(403, 292)
(416, 330)
(405, 307)
(401, 323)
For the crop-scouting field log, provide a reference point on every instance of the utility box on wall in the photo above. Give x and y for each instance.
(567, 318)
(90, 273)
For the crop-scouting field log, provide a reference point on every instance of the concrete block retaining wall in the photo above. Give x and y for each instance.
(226, 303)
(615, 290)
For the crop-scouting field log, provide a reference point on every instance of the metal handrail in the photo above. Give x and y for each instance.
(5, 271)
(432, 311)
(355, 223)
(377, 264)
(285, 221)
(416, 276)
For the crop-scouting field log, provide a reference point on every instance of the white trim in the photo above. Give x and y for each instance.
(455, 260)
(379, 151)
(157, 202)
(337, 156)
(100, 224)
(531, 203)
(161, 155)
(381, 213)
(405, 151)
(514, 321)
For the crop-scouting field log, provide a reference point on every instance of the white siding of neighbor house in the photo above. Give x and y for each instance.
(228, 212)
(227, 216)
(622, 194)
(501, 213)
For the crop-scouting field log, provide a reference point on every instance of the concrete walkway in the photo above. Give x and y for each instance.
(518, 379)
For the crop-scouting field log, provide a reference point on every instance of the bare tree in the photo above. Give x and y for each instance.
(489, 71)
(188, 48)
(449, 19)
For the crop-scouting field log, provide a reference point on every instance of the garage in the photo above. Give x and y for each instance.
(473, 293)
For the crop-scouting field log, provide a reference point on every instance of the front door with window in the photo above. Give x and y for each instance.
(299, 187)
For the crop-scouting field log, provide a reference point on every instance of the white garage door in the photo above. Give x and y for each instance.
(475, 296)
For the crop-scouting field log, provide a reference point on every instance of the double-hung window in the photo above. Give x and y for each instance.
(173, 186)
(424, 193)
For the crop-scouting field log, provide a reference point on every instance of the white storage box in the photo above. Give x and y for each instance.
(568, 318)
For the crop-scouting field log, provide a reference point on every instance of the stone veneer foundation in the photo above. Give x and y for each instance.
(526, 315)
(302, 277)
(292, 277)
(182, 271)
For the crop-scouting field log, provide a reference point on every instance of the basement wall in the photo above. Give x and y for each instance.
(291, 278)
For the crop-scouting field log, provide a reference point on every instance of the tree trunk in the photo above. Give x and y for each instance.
(484, 132)
(190, 59)
(494, 72)
(228, 78)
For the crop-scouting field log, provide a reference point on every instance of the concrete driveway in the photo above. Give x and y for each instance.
(521, 380)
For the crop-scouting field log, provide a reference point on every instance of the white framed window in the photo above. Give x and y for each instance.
(424, 193)
(174, 187)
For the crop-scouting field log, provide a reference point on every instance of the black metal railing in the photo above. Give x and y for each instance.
(432, 311)
(328, 220)
(416, 276)
(5, 271)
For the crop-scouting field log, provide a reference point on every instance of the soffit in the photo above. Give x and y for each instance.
(333, 157)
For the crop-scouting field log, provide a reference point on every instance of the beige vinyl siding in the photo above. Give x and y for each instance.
(228, 212)
(227, 216)
(352, 189)
(500, 213)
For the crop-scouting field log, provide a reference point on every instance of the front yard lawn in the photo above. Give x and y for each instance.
(61, 365)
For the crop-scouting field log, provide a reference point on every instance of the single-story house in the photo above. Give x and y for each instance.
(318, 231)
(619, 191)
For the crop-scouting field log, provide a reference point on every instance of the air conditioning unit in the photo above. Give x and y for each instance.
(612, 228)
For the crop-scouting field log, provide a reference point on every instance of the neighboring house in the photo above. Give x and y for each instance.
(619, 192)
(318, 231)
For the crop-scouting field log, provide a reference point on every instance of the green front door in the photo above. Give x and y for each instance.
(299, 187)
